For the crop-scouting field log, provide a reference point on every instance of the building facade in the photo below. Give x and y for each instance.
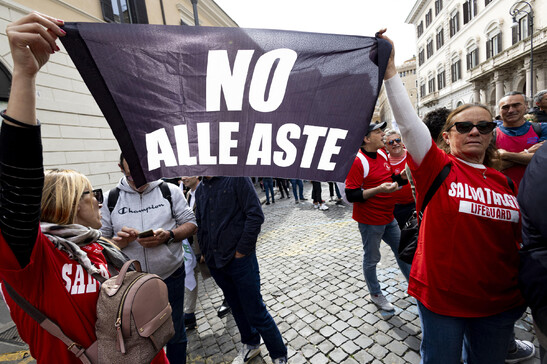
(74, 132)
(407, 72)
(473, 51)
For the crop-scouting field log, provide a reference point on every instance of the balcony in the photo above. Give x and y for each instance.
(430, 99)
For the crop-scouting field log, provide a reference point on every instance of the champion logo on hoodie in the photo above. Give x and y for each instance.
(129, 210)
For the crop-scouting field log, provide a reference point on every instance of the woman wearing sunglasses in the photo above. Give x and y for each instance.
(41, 214)
(464, 272)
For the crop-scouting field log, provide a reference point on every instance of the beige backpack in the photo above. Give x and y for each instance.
(133, 319)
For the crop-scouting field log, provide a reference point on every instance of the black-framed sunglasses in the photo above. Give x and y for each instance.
(484, 127)
(398, 141)
(97, 193)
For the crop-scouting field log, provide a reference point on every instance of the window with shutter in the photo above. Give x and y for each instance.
(108, 12)
(466, 13)
(499, 47)
(468, 61)
(438, 6)
(440, 38)
(514, 35)
(441, 80)
(431, 85)
(429, 48)
(125, 11)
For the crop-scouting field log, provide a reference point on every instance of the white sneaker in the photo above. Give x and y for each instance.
(323, 207)
(523, 350)
(381, 301)
(282, 360)
(246, 353)
(315, 206)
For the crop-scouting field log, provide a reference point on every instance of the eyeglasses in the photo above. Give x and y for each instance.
(484, 127)
(97, 193)
(398, 141)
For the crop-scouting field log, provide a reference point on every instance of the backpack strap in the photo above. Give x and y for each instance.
(166, 193)
(537, 129)
(434, 187)
(511, 184)
(50, 326)
(113, 198)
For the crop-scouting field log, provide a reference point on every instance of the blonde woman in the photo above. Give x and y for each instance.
(33, 259)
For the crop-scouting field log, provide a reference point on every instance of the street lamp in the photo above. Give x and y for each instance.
(514, 12)
(195, 7)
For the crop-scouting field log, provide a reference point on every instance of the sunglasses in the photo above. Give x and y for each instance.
(97, 193)
(398, 141)
(484, 127)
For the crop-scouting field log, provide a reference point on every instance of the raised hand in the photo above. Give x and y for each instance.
(32, 40)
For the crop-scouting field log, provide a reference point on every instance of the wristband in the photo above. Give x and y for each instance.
(16, 122)
(171, 237)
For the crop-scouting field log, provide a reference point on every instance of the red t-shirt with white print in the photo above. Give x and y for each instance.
(61, 289)
(402, 196)
(466, 263)
(368, 173)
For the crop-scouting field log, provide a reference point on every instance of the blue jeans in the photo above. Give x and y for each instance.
(372, 235)
(240, 283)
(484, 340)
(300, 184)
(176, 347)
(268, 187)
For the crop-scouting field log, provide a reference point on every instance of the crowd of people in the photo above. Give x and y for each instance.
(464, 275)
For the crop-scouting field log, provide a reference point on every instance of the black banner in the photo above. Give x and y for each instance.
(206, 101)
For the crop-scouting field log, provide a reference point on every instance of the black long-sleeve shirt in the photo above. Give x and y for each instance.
(21, 183)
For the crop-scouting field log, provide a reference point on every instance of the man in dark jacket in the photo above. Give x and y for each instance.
(532, 199)
(540, 110)
(229, 217)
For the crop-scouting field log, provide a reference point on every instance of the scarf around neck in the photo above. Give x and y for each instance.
(70, 238)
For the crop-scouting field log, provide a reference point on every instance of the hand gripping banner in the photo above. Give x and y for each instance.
(207, 101)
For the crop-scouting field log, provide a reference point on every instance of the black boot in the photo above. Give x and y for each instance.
(224, 309)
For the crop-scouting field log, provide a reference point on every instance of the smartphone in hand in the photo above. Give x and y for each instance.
(146, 233)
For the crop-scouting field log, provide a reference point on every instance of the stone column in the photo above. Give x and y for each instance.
(499, 78)
(476, 92)
(540, 69)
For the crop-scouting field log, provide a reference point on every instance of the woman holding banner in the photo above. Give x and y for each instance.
(464, 273)
(40, 215)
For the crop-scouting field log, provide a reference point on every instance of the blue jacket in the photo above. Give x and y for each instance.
(229, 217)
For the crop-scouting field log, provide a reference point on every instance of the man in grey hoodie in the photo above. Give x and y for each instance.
(137, 210)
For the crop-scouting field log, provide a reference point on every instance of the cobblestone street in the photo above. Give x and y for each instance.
(313, 285)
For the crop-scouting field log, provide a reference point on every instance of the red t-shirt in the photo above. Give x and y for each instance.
(516, 144)
(466, 263)
(404, 195)
(62, 290)
(368, 173)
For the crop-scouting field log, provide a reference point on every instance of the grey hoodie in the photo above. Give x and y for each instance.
(148, 210)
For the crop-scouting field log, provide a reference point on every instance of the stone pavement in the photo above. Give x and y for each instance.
(313, 285)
